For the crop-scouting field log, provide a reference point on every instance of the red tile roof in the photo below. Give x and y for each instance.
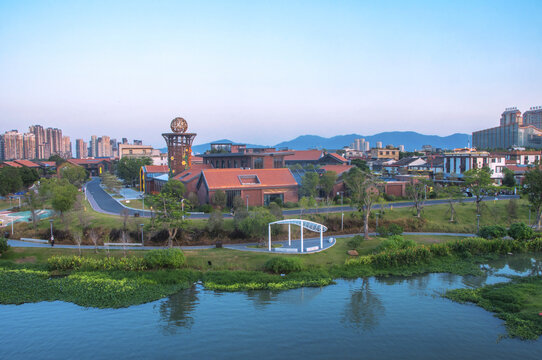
(12, 164)
(27, 163)
(339, 169)
(194, 171)
(305, 155)
(48, 163)
(516, 168)
(196, 159)
(338, 157)
(85, 161)
(156, 169)
(257, 178)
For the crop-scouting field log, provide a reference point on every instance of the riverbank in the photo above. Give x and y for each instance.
(518, 303)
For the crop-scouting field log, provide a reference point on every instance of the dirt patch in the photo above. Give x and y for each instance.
(24, 260)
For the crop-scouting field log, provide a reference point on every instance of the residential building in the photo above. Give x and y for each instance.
(388, 153)
(93, 147)
(2, 148)
(135, 151)
(81, 150)
(41, 141)
(29, 146)
(13, 145)
(227, 155)
(66, 147)
(303, 157)
(513, 131)
(379, 144)
(533, 117)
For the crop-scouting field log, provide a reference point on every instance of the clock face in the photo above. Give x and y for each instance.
(179, 125)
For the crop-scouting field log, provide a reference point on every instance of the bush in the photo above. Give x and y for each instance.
(395, 229)
(289, 205)
(164, 259)
(388, 197)
(382, 231)
(283, 265)
(521, 231)
(355, 242)
(3, 245)
(492, 232)
(64, 263)
(395, 242)
(206, 208)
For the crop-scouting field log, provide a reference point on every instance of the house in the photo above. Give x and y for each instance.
(147, 174)
(340, 170)
(405, 165)
(95, 167)
(257, 187)
(304, 157)
(190, 177)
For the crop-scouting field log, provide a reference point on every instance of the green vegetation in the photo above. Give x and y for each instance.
(283, 265)
(517, 302)
(3, 245)
(492, 232)
(13, 180)
(128, 169)
(520, 231)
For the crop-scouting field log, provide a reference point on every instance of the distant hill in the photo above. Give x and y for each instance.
(412, 140)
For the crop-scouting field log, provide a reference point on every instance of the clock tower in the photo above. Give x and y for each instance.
(179, 146)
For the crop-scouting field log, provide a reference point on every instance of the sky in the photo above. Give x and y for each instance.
(262, 72)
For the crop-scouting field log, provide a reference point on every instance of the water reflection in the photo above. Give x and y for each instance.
(364, 309)
(176, 310)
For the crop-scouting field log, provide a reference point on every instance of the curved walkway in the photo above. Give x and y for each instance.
(310, 245)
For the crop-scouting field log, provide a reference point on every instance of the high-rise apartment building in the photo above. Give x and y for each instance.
(81, 150)
(93, 148)
(13, 145)
(379, 144)
(533, 117)
(41, 141)
(2, 158)
(29, 146)
(138, 142)
(66, 147)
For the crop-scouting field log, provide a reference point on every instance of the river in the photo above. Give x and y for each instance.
(372, 318)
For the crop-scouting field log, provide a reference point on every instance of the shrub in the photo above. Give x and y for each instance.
(382, 231)
(3, 245)
(164, 259)
(395, 242)
(206, 208)
(355, 242)
(492, 232)
(388, 197)
(289, 205)
(64, 263)
(395, 229)
(521, 231)
(283, 265)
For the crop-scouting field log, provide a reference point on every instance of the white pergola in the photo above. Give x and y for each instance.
(303, 224)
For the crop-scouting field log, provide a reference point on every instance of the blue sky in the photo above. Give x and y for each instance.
(263, 72)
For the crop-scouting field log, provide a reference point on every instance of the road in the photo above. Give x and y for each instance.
(104, 203)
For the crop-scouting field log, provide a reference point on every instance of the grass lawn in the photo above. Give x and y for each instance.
(4, 204)
(135, 204)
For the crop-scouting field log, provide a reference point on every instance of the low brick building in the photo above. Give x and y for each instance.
(257, 187)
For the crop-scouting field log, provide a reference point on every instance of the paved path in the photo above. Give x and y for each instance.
(308, 243)
(103, 202)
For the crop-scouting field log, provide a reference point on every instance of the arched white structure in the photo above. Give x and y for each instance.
(303, 224)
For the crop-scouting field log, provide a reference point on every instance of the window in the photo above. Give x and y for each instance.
(230, 195)
(229, 164)
(234, 163)
(269, 198)
(277, 163)
(258, 163)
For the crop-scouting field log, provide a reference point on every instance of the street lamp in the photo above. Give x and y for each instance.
(342, 221)
(182, 207)
(52, 237)
(247, 203)
(142, 243)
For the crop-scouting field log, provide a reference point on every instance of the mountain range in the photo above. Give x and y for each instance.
(410, 139)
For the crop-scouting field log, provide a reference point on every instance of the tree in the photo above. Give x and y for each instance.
(363, 188)
(215, 223)
(361, 164)
(193, 200)
(533, 189)
(275, 210)
(33, 200)
(169, 210)
(57, 159)
(256, 223)
(219, 199)
(111, 183)
(453, 193)
(309, 182)
(478, 181)
(63, 199)
(327, 180)
(28, 176)
(128, 168)
(94, 236)
(10, 180)
(509, 179)
(417, 191)
(74, 174)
